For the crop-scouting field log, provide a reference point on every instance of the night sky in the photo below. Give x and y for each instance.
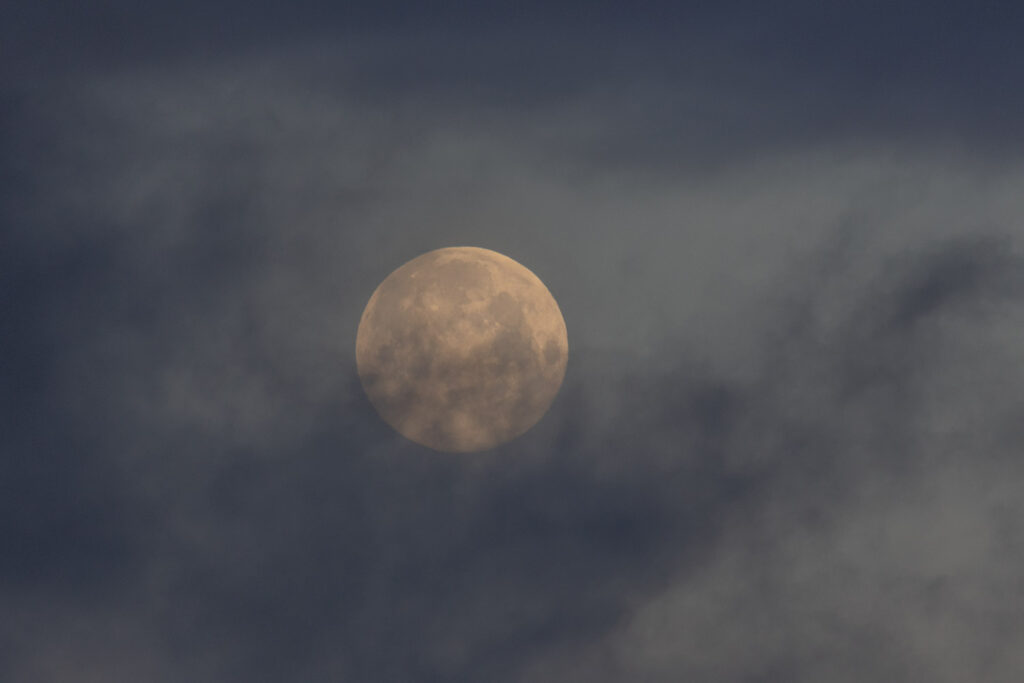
(788, 243)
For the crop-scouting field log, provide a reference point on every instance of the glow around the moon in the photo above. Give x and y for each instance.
(461, 349)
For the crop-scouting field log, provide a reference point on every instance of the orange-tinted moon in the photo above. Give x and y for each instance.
(461, 349)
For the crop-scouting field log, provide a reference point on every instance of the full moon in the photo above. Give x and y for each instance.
(461, 349)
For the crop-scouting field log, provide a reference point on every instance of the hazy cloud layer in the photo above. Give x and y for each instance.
(787, 444)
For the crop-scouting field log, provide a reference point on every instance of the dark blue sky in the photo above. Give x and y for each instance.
(787, 244)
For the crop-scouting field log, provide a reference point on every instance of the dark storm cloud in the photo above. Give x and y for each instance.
(785, 449)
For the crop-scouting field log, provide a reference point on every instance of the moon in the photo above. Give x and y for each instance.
(461, 349)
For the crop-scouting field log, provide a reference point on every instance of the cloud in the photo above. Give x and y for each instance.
(875, 544)
(784, 448)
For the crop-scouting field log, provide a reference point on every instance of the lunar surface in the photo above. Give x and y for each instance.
(461, 349)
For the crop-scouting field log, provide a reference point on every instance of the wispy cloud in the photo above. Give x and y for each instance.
(784, 450)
